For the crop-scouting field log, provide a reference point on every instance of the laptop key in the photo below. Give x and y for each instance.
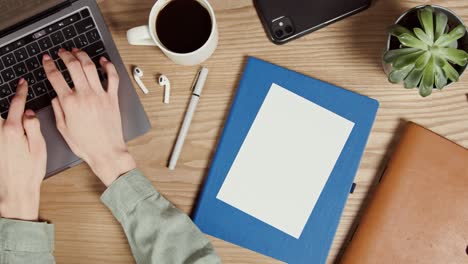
(30, 79)
(69, 20)
(14, 85)
(57, 37)
(48, 85)
(51, 28)
(8, 75)
(54, 52)
(30, 94)
(39, 57)
(45, 43)
(60, 64)
(4, 105)
(18, 43)
(69, 32)
(93, 36)
(20, 69)
(81, 41)
(9, 60)
(1, 68)
(97, 58)
(85, 13)
(38, 103)
(69, 45)
(6, 49)
(21, 54)
(40, 74)
(84, 25)
(52, 94)
(32, 63)
(39, 88)
(95, 49)
(33, 49)
(5, 91)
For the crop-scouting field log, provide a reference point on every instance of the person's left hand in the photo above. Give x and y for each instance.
(23, 160)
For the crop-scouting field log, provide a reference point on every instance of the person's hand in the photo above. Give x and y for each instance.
(88, 117)
(23, 162)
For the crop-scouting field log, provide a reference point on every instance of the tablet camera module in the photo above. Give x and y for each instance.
(282, 27)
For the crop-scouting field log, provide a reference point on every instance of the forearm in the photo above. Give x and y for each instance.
(26, 242)
(156, 230)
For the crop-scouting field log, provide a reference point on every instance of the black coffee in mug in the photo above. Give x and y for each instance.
(183, 26)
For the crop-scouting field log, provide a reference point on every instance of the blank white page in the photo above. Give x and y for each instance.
(285, 160)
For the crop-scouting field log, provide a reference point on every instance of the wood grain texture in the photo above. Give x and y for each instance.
(346, 54)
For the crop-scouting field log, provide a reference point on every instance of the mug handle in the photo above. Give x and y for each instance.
(140, 36)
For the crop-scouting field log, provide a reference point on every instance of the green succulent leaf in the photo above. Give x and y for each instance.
(456, 56)
(422, 36)
(427, 81)
(440, 78)
(448, 69)
(397, 75)
(413, 78)
(396, 30)
(392, 55)
(422, 61)
(439, 61)
(426, 18)
(440, 23)
(411, 41)
(406, 60)
(450, 72)
(446, 39)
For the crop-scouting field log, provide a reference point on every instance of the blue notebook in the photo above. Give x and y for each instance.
(285, 164)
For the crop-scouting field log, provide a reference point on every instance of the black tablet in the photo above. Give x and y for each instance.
(285, 20)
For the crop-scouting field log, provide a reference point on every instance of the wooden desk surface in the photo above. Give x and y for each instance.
(346, 53)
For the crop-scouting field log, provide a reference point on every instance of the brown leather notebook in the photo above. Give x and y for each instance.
(419, 211)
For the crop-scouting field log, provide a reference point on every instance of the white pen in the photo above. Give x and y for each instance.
(196, 92)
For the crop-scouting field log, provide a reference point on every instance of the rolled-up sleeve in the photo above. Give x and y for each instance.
(156, 230)
(26, 242)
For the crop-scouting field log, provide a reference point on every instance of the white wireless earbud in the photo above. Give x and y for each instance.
(164, 81)
(137, 74)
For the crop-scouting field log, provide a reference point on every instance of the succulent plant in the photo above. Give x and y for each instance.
(427, 56)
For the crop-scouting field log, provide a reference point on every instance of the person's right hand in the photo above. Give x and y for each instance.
(88, 117)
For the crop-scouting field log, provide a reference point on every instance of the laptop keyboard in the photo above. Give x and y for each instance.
(23, 58)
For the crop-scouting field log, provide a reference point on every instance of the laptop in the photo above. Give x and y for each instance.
(30, 28)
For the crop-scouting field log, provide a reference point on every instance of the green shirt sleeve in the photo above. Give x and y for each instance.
(156, 230)
(26, 242)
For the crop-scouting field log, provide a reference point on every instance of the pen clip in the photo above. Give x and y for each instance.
(196, 80)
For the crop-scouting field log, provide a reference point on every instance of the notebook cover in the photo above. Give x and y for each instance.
(221, 220)
(419, 211)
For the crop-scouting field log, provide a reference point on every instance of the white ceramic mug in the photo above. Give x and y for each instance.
(147, 35)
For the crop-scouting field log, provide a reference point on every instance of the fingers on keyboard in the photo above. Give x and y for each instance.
(24, 58)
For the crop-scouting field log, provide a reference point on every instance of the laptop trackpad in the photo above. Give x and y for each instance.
(59, 155)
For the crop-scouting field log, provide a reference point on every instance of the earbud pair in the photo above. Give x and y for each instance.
(162, 80)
